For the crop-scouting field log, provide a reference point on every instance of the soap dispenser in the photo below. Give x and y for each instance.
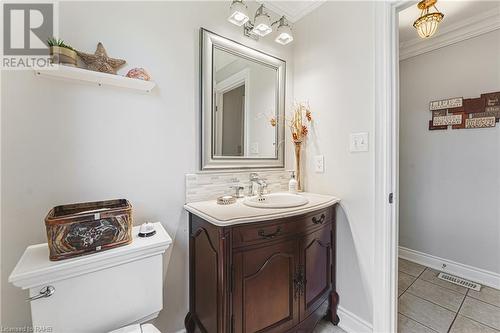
(293, 185)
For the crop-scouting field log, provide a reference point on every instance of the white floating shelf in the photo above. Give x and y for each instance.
(97, 78)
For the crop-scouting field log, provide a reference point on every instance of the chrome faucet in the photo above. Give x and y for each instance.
(261, 184)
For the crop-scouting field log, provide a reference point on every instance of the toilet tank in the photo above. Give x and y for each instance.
(99, 292)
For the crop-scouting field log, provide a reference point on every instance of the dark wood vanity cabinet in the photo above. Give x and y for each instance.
(273, 276)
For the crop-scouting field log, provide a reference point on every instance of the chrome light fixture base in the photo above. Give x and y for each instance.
(248, 31)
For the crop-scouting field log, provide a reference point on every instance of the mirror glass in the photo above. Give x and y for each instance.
(245, 102)
(242, 105)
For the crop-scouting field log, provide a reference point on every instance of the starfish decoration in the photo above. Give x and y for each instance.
(100, 62)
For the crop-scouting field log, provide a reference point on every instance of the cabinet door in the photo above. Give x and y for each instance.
(263, 296)
(315, 269)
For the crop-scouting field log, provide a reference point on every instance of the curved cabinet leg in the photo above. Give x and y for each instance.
(189, 323)
(332, 312)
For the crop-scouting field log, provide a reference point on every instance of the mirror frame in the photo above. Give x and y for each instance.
(208, 41)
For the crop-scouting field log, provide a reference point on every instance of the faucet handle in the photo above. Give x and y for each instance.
(254, 176)
(263, 188)
(238, 191)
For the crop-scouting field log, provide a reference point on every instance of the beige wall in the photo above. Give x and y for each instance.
(64, 142)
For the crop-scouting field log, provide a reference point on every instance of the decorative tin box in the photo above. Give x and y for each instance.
(84, 228)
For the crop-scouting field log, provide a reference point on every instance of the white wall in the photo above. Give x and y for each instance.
(450, 180)
(334, 71)
(64, 142)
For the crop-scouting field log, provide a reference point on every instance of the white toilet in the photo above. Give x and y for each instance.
(117, 289)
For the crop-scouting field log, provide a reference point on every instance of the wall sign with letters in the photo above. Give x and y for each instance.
(446, 104)
(459, 113)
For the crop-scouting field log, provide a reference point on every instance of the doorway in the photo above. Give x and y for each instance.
(449, 246)
(232, 110)
(387, 138)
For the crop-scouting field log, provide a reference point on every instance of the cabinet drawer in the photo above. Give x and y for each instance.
(256, 233)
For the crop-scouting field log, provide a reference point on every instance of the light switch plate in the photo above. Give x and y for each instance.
(319, 164)
(358, 142)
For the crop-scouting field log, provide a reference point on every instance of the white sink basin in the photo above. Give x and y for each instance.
(276, 200)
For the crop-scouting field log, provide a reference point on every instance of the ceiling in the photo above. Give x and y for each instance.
(293, 10)
(454, 12)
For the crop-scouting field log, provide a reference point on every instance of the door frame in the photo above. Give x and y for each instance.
(234, 81)
(386, 163)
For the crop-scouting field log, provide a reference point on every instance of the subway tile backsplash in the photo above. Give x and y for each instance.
(208, 186)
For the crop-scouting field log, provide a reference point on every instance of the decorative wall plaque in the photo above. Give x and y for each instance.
(462, 124)
(492, 109)
(480, 122)
(491, 99)
(459, 109)
(482, 112)
(495, 114)
(433, 128)
(439, 113)
(473, 105)
(446, 104)
(447, 120)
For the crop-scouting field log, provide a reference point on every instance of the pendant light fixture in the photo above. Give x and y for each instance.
(285, 35)
(238, 13)
(428, 21)
(262, 26)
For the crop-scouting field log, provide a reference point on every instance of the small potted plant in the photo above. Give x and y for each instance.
(61, 53)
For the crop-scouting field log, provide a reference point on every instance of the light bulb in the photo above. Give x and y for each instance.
(285, 35)
(262, 26)
(238, 13)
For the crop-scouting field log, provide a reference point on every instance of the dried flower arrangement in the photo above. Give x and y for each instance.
(299, 128)
(298, 123)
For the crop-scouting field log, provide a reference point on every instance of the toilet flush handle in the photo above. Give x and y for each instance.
(44, 292)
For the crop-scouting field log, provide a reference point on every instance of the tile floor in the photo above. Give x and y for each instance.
(429, 305)
(327, 327)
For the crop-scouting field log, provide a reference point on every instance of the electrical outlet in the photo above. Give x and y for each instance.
(358, 142)
(254, 148)
(319, 164)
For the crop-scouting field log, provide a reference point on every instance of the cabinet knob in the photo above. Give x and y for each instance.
(320, 220)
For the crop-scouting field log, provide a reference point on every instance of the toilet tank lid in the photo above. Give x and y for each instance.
(35, 269)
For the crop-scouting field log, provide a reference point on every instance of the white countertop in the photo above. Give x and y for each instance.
(238, 213)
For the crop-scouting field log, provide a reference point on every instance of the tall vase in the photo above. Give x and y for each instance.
(298, 148)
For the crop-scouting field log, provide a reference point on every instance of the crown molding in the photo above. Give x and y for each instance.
(292, 15)
(472, 27)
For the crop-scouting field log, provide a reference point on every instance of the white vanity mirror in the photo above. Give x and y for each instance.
(242, 91)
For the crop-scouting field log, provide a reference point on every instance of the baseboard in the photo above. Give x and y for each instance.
(465, 271)
(351, 323)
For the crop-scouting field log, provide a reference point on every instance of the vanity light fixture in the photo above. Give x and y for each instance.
(261, 26)
(238, 13)
(285, 35)
(428, 22)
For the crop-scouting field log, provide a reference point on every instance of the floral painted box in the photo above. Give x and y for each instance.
(84, 228)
